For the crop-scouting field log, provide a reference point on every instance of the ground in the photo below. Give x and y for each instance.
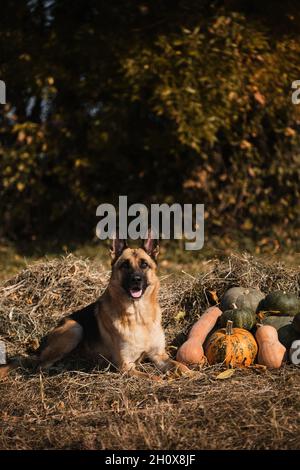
(75, 406)
(77, 410)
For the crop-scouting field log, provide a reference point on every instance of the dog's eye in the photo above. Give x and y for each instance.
(144, 264)
(125, 265)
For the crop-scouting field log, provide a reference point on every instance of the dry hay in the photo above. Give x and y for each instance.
(237, 270)
(93, 409)
(34, 300)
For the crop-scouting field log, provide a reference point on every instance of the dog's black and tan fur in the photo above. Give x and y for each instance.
(123, 325)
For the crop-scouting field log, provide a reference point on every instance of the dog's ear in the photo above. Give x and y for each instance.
(150, 245)
(117, 248)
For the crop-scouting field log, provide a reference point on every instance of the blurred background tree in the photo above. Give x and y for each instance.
(172, 100)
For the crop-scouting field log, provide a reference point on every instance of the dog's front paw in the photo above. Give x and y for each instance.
(178, 369)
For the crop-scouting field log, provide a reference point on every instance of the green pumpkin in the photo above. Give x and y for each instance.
(287, 334)
(240, 317)
(277, 322)
(241, 297)
(280, 303)
(296, 322)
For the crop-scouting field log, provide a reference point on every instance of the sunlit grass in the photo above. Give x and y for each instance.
(173, 256)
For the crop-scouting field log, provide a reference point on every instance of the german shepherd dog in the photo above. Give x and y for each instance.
(122, 326)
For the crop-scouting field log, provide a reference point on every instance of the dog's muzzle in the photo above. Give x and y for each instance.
(136, 286)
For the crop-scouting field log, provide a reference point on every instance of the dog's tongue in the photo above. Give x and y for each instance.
(136, 294)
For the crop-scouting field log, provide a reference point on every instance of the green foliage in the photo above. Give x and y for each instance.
(164, 102)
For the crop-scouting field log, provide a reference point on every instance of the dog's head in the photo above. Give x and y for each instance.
(134, 269)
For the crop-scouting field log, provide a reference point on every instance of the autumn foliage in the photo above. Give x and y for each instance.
(163, 101)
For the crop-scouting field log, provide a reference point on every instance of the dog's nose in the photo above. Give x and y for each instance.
(136, 277)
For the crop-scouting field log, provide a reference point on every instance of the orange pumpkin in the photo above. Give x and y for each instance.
(271, 352)
(231, 346)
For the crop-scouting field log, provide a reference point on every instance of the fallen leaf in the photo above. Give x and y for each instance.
(261, 315)
(180, 315)
(33, 344)
(214, 296)
(259, 368)
(226, 374)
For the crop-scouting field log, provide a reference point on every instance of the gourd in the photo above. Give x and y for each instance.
(287, 334)
(280, 303)
(205, 323)
(284, 326)
(231, 346)
(271, 352)
(242, 297)
(296, 323)
(276, 321)
(241, 318)
(191, 352)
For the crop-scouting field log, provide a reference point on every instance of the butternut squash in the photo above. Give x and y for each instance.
(271, 352)
(205, 324)
(191, 352)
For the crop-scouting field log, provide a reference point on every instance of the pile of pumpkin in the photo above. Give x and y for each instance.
(247, 327)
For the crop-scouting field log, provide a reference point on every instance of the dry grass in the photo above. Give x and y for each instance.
(74, 407)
